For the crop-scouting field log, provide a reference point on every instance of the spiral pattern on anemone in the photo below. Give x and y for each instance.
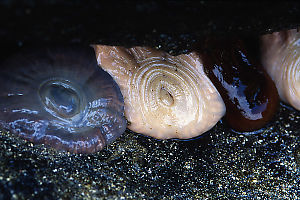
(165, 96)
(281, 59)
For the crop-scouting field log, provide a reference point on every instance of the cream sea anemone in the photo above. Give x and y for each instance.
(165, 96)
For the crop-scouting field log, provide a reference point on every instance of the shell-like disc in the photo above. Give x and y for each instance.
(281, 59)
(165, 96)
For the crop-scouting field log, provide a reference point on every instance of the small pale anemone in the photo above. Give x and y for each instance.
(281, 59)
(58, 96)
(165, 96)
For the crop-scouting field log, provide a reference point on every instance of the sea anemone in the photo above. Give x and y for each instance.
(281, 59)
(58, 96)
(248, 92)
(165, 96)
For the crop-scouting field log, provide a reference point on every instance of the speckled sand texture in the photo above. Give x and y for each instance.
(220, 164)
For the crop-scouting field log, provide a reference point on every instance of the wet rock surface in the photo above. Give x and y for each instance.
(221, 164)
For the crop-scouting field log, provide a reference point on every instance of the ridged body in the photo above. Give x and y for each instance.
(281, 59)
(165, 96)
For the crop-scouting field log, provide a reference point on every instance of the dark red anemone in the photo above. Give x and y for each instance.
(248, 92)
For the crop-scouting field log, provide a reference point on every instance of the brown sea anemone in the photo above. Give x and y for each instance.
(249, 93)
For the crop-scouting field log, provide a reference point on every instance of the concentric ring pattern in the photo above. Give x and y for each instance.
(281, 59)
(165, 96)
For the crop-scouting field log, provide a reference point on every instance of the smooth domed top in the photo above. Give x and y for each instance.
(248, 92)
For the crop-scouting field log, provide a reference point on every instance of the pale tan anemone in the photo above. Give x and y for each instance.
(165, 96)
(281, 59)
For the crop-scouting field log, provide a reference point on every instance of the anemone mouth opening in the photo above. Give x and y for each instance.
(63, 99)
(166, 97)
